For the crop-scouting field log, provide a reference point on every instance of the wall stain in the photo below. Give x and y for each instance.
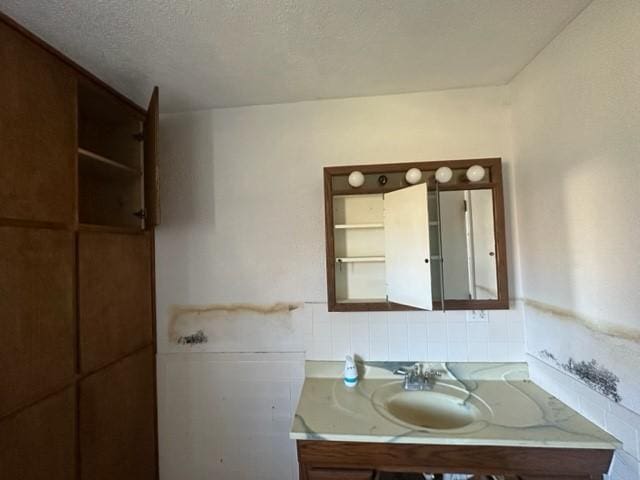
(596, 376)
(202, 318)
(606, 328)
(193, 339)
(234, 307)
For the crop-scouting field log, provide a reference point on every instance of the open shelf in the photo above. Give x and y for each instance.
(110, 161)
(359, 259)
(361, 300)
(91, 162)
(354, 226)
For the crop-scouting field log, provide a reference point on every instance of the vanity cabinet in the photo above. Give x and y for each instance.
(361, 460)
(338, 474)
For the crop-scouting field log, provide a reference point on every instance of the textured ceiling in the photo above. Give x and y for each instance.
(218, 53)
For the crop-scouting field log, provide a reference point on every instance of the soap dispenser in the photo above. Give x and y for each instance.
(350, 372)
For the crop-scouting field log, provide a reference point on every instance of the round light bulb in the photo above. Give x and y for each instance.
(356, 179)
(475, 173)
(413, 176)
(444, 174)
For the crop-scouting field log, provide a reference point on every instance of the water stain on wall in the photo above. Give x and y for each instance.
(607, 328)
(230, 326)
(594, 375)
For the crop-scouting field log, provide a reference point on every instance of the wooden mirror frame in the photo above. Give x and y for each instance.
(493, 182)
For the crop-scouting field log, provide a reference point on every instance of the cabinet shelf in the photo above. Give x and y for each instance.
(98, 164)
(356, 226)
(360, 259)
(361, 300)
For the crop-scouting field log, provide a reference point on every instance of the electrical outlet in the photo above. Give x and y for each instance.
(477, 316)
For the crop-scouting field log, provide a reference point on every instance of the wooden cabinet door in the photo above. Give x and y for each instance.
(37, 304)
(38, 132)
(117, 421)
(151, 176)
(39, 443)
(338, 474)
(114, 287)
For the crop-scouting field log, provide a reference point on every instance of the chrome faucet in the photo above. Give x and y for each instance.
(417, 378)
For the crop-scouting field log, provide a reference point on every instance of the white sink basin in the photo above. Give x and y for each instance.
(446, 407)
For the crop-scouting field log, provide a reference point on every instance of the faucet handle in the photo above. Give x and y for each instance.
(433, 373)
(415, 369)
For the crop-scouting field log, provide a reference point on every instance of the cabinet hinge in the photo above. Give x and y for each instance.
(465, 205)
(142, 213)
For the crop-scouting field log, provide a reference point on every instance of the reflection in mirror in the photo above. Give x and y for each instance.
(468, 248)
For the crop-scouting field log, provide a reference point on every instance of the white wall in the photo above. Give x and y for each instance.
(242, 187)
(576, 122)
(243, 222)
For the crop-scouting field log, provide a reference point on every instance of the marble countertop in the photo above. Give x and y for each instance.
(513, 411)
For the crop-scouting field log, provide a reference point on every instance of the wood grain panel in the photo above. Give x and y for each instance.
(114, 289)
(38, 125)
(39, 442)
(117, 425)
(338, 474)
(37, 302)
(527, 462)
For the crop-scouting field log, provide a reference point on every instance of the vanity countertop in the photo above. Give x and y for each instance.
(516, 412)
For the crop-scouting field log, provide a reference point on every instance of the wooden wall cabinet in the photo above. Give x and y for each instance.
(117, 171)
(78, 203)
(114, 298)
(39, 443)
(37, 132)
(117, 428)
(37, 305)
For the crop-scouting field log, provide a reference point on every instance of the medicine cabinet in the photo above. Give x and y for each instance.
(428, 244)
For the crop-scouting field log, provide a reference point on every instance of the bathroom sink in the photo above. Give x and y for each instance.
(446, 407)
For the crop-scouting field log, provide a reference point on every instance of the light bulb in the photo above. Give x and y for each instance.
(356, 179)
(413, 176)
(475, 173)
(444, 174)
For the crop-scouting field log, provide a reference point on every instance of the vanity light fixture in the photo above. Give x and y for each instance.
(356, 179)
(444, 174)
(475, 173)
(413, 176)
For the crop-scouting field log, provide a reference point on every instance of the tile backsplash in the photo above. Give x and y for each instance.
(455, 336)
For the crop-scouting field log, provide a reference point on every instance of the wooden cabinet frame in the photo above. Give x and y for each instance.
(40, 420)
(525, 463)
(493, 182)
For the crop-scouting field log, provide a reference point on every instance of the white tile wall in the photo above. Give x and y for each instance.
(496, 335)
(228, 415)
(617, 420)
